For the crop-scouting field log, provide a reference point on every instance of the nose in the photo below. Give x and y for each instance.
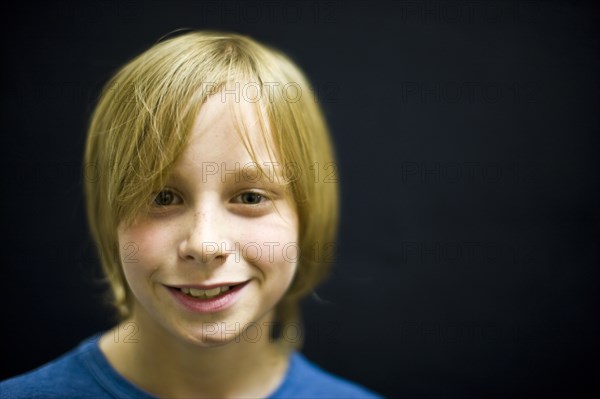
(205, 240)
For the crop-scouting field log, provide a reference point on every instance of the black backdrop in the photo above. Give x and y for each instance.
(467, 135)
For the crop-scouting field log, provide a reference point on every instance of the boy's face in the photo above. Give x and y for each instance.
(214, 225)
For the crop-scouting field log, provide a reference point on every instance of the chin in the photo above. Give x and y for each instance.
(209, 335)
(236, 326)
(203, 341)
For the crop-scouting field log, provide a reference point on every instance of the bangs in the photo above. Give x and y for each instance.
(166, 93)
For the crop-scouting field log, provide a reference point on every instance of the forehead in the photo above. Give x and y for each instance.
(228, 129)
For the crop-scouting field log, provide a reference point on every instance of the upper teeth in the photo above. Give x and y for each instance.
(204, 293)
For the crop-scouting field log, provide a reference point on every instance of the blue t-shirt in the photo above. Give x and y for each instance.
(84, 372)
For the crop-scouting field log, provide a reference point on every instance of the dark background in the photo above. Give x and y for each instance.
(468, 145)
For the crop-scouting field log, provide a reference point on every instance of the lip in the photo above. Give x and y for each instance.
(207, 286)
(210, 305)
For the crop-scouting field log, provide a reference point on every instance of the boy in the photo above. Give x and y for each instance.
(208, 222)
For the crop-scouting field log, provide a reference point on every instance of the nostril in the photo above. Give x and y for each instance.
(190, 257)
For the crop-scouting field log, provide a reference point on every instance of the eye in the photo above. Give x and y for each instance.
(165, 198)
(251, 198)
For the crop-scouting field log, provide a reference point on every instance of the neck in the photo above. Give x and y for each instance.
(169, 366)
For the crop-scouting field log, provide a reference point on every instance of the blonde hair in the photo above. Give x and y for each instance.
(143, 119)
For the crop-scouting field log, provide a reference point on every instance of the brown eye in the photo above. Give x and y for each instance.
(251, 198)
(164, 198)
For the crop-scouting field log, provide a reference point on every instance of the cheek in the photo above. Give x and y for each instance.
(272, 247)
(141, 248)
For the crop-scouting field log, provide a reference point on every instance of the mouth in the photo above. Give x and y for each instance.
(205, 299)
(209, 293)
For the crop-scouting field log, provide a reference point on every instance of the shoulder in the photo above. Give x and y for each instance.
(305, 379)
(65, 376)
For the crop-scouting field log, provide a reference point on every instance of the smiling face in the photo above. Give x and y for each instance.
(214, 229)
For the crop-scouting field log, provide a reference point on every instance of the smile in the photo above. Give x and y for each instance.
(209, 298)
(205, 294)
